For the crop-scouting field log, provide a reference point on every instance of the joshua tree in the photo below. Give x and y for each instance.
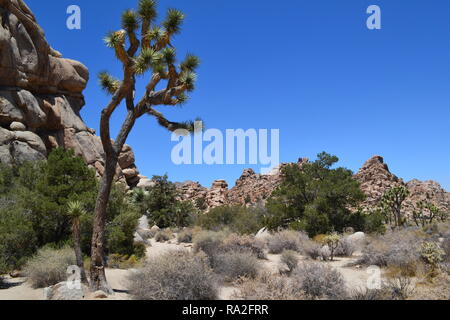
(76, 211)
(332, 241)
(392, 203)
(149, 50)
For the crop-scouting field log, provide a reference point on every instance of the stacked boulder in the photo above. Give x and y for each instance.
(41, 98)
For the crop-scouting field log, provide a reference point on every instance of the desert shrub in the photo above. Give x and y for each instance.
(312, 250)
(163, 235)
(432, 253)
(369, 294)
(267, 287)
(161, 204)
(238, 219)
(332, 241)
(290, 259)
(319, 281)
(17, 238)
(49, 266)
(139, 250)
(399, 250)
(185, 236)
(284, 240)
(345, 248)
(235, 242)
(177, 275)
(233, 265)
(209, 242)
(400, 288)
(314, 197)
(120, 232)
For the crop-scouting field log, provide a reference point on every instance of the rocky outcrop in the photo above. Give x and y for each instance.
(41, 98)
(376, 179)
(254, 189)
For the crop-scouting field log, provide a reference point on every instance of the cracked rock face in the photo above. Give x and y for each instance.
(41, 98)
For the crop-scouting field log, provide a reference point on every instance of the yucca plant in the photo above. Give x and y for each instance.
(75, 210)
(145, 50)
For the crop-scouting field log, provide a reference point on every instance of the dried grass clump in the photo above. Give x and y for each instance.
(177, 275)
(49, 266)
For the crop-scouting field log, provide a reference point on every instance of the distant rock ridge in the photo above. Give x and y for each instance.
(41, 98)
(253, 189)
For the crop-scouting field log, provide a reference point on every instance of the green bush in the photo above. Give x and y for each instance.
(315, 197)
(161, 204)
(177, 275)
(49, 266)
(238, 219)
(17, 238)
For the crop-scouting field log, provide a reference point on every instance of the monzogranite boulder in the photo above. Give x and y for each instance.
(41, 98)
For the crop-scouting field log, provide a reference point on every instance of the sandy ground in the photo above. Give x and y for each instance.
(19, 289)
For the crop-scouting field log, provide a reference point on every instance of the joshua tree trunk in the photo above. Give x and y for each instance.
(97, 272)
(77, 248)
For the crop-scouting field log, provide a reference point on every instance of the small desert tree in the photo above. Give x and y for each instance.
(142, 47)
(426, 213)
(392, 204)
(332, 241)
(76, 211)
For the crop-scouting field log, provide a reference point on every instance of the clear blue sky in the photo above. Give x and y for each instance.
(308, 67)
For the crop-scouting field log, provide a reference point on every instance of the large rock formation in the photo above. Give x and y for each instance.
(41, 98)
(376, 179)
(254, 189)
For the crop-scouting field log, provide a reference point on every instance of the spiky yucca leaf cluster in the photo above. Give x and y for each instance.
(148, 59)
(154, 34)
(188, 79)
(147, 10)
(114, 39)
(108, 83)
(173, 21)
(169, 55)
(130, 21)
(190, 63)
